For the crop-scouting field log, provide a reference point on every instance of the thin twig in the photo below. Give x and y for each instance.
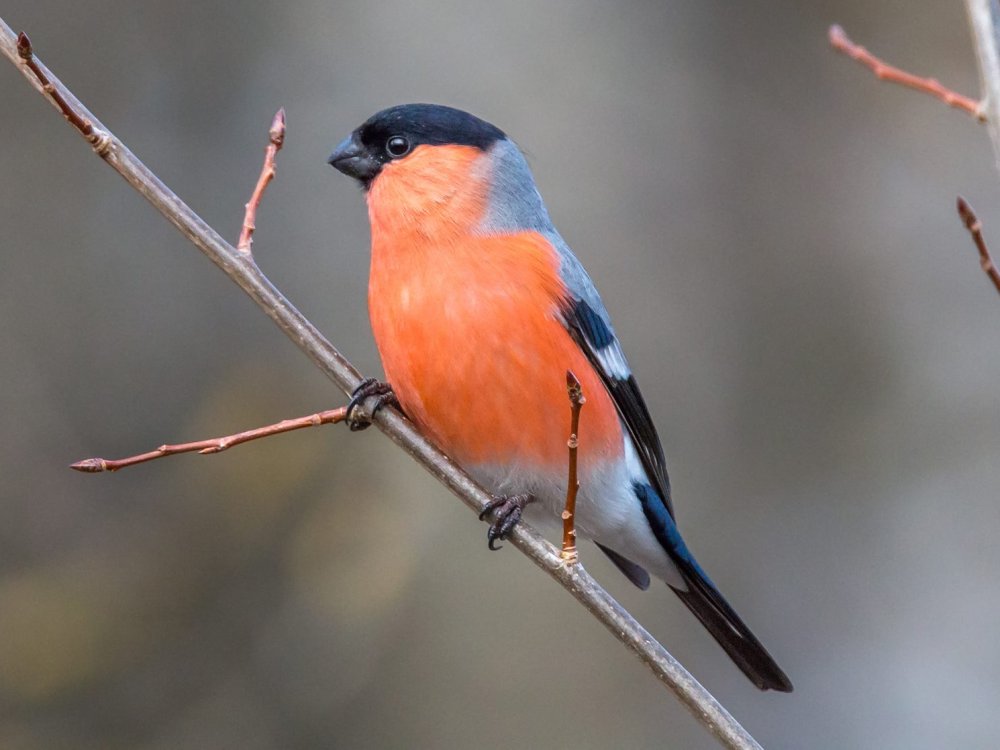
(213, 445)
(975, 228)
(885, 72)
(576, 402)
(276, 139)
(241, 269)
(95, 137)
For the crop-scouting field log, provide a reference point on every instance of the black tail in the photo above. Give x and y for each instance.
(714, 612)
(705, 601)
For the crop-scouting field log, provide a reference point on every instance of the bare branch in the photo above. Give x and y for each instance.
(213, 445)
(576, 402)
(276, 140)
(984, 16)
(975, 228)
(241, 269)
(885, 72)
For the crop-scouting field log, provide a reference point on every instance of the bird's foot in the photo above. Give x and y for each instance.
(506, 511)
(381, 395)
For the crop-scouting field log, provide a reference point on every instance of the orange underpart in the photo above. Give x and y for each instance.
(467, 324)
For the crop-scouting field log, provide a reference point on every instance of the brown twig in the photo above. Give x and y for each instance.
(213, 445)
(576, 402)
(276, 141)
(95, 137)
(885, 72)
(975, 228)
(241, 270)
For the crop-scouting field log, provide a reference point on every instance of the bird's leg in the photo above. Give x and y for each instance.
(380, 392)
(506, 511)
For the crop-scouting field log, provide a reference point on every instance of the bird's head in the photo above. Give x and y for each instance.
(394, 136)
(427, 163)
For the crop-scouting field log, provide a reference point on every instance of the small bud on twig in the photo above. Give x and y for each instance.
(24, 46)
(276, 139)
(975, 228)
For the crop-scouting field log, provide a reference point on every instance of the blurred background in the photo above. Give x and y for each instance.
(775, 235)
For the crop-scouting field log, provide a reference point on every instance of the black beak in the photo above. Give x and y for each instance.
(354, 160)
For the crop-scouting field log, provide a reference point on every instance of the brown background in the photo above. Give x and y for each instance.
(775, 236)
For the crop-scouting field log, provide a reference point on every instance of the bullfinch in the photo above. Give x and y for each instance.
(479, 308)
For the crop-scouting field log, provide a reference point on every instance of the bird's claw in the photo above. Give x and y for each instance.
(506, 511)
(381, 393)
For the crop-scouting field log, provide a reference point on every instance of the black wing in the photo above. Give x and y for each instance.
(593, 334)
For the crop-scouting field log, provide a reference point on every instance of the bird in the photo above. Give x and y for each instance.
(478, 309)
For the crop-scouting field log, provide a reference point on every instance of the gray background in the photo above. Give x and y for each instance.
(774, 233)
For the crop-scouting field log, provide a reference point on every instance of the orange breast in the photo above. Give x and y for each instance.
(467, 325)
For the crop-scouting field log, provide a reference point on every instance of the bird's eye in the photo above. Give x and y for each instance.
(397, 146)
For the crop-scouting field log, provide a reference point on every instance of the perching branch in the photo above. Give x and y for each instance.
(975, 228)
(885, 72)
(576, 402)
(241, 268)
(213, 445)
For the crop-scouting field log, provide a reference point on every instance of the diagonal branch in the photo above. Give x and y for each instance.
(240, 268)
(886, 72)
